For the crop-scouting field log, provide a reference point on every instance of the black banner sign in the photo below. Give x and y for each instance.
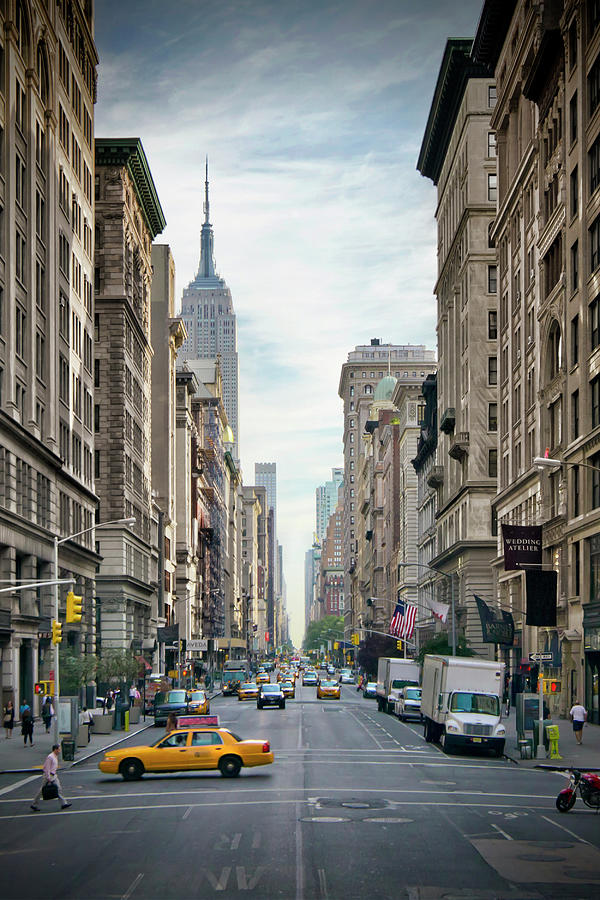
(495, 630)
(167, 635)
(541, 597)
(522, 546)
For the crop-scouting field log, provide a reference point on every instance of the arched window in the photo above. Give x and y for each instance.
(42, 72)
(554, 350)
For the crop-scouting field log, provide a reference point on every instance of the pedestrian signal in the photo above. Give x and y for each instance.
(74, 607)
(552, 686)
(56, 632)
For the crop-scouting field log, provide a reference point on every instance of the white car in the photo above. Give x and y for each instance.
(408, 704)
(310, 678)
(346, 676)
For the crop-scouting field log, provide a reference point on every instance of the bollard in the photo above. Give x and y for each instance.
(553, 734)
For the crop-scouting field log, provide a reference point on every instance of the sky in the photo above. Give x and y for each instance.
(312, 114)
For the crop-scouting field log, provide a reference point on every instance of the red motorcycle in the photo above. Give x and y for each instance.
(586, 783)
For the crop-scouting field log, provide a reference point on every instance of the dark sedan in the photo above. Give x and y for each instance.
(270, 695)
(167, 702)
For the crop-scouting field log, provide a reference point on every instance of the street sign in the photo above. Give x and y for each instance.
(199, 644)
(541, 656)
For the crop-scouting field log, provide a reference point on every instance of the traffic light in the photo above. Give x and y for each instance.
(399, 645)
(355, 640)
(552, 686)
(56, 632)
(336, 645)
(182, 645)
(74, 607)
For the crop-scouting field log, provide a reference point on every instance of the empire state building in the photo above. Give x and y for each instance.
(207, 310)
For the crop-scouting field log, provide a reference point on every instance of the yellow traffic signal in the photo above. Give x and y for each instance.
(355, 639)
(336, 645)
(56, 632)
(74, 607)
(399, 645)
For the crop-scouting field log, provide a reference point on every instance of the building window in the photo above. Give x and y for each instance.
(593, 16)
(492, 370)
(492, 279)
(492, 417)
(491, 143)
(574, 180)
(492, 97)
(575, 266)
(573, 117)
(492, 325)
(594, 86)
(574, 415)
(554, 349)
(595, 390)
(574, 340)
(492, 187)
(553, 264)
(20, 330)
(595, 322)
(492, 463)
(595, 461)
(572, 45)
(575, 489)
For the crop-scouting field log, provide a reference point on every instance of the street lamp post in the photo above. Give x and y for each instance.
(446, 575)
(57, 541)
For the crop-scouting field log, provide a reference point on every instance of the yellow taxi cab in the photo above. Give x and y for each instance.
(190, 748)
(288, 689)
(263, 678)
(198, 703)
(328, 690)
(248, 691)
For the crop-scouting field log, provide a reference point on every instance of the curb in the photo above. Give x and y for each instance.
(108, 746)
(36, 771)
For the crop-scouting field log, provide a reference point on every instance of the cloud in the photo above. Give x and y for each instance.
(312, 114)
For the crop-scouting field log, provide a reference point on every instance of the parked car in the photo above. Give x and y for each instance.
(408, 704)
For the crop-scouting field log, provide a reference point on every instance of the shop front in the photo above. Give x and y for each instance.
(591, 646)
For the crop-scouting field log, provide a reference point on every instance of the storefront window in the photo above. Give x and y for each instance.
(594, 568)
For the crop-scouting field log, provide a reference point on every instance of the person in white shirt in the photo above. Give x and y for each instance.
(578, 715)
(49, 776)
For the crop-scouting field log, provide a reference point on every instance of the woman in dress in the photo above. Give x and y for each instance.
(8, 718)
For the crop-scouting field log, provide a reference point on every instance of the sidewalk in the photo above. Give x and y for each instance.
(14, 757)
(586, 755)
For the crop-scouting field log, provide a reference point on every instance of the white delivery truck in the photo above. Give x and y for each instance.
(392, 676)
(460, 702)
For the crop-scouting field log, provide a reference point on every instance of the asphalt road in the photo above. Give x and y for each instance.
(355, 806)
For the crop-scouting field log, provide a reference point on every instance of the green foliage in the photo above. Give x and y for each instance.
(439, 646)
(115, 666)
(372, 648)
(76, 671)
(331, 628)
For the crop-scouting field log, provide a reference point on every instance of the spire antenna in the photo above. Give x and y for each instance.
(206, 203)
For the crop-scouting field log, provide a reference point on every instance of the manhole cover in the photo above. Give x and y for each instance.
(387, 820)
(324, 819)
(353, 804)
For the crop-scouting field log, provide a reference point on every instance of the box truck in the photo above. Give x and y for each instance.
(460, 702)
(392, 676)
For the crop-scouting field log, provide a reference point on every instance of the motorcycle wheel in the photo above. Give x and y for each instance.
(564, 804)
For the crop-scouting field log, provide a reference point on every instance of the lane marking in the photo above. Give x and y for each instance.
(362, 725)
(299, 853)
(186, 813)
(18, 784)
(163, 806)
(322, 882)
(457, 792)
(503, 833)
(562, 828)
(132, 886)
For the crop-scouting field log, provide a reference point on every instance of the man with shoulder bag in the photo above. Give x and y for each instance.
(50, 788)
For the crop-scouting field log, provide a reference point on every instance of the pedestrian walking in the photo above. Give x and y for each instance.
(47, 713)
(133, 691)
(578, 714)
(50, 787)
(86, 718)
(26, 723)
(8, 718)
(110, 699)
(171, 723)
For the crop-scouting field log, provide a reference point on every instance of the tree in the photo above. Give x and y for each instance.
(76, 671)
(115, 666)
(330, 628)
(439, 646)
(373, 647)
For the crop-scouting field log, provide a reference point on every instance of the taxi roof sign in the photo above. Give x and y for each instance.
(186, 721)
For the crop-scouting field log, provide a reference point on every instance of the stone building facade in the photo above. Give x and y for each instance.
(48, 90)
(458, 154)
(128, 217)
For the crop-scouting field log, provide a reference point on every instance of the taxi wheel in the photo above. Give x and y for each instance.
(131, 769)
(229, 766)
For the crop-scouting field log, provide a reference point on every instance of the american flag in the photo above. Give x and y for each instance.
(402, 623)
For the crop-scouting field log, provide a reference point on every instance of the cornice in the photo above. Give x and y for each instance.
(129, 153)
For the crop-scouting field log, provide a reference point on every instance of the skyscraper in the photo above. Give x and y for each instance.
(207, 310)
(326, 496)
(265, 474)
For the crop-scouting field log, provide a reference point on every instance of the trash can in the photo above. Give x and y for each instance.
(68, 749)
